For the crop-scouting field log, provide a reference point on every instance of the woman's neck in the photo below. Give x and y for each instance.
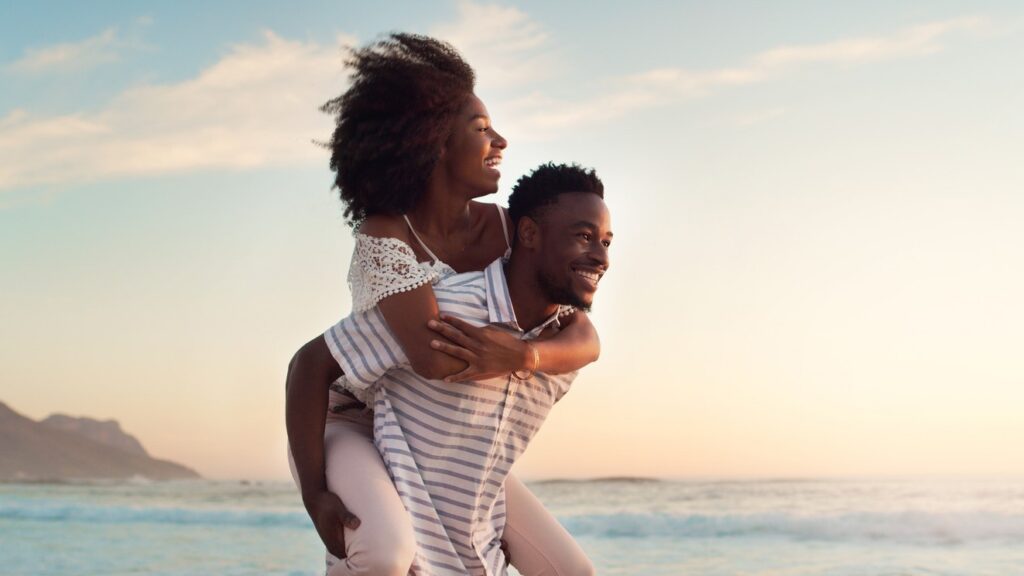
(440, 214)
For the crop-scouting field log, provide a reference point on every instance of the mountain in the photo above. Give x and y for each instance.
(103, 431)
(65, 448)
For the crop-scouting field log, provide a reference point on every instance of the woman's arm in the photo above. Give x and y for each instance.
(488, 352)
(310, 374)
(572, 348)
(413, 317)
(407, 313)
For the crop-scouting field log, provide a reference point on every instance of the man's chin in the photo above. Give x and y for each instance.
(579, 301)
(582, 304)
(565, 294)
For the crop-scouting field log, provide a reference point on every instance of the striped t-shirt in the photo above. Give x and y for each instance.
(449, 446)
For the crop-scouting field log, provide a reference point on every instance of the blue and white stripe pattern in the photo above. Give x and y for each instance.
(449, 447)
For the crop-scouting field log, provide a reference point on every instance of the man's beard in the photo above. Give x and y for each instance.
(560, 294)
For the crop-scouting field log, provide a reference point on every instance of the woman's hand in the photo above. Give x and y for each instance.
(489, 351)
(330, 518)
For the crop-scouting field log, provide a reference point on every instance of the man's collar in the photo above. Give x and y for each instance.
(499, 300)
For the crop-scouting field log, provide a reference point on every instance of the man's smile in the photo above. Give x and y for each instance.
(590, 276)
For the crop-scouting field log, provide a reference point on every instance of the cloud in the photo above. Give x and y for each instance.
(505, 47)
(660, 86)
(914, 41)
(86, 54)
(757, 117)
(257, 106)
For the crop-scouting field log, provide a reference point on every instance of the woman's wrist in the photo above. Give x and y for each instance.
(531, 362)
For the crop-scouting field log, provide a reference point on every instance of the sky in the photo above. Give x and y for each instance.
(817, 267)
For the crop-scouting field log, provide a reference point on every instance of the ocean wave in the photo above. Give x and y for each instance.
(912, 527)
(937, 529)
(153, 515)
(603, 480)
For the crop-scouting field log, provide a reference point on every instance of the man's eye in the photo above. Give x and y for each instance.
(607, 243)
(584, 236)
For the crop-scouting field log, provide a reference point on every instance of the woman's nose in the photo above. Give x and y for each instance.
(498, 141)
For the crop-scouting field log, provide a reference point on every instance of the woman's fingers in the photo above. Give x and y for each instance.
(472, 374)
(462, 325)
(452, 333)
(466, 374)
(454, 350)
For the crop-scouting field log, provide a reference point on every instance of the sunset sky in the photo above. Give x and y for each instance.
(818, 210)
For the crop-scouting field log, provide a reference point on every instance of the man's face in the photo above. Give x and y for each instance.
(575, 234)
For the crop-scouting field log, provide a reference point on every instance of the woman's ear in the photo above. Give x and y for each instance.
(528, 232)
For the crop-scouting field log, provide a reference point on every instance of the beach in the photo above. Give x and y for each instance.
(809, 320)
(948, 527)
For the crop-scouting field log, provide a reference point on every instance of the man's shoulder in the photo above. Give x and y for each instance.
(464, 295)
(474, 278)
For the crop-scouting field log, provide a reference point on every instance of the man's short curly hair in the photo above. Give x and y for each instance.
(542, 187)
(393, 121)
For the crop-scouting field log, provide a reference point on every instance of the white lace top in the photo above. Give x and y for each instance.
(382, 267)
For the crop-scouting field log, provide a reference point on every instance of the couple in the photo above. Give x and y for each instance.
(459, 369)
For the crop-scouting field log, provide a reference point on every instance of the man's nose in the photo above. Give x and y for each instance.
(599, 252)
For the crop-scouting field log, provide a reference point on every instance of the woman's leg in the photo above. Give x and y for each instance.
(384, 543)
(537, 544)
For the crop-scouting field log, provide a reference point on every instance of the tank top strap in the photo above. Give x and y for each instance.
(420, 240)
(504, 226)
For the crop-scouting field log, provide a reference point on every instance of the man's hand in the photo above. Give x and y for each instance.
(331, 517)
(489, 352)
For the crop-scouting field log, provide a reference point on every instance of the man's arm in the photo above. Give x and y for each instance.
(310, 374)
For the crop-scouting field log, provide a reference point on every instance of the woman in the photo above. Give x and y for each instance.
(412, 148)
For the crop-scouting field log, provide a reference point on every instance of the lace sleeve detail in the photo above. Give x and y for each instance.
(382, 267)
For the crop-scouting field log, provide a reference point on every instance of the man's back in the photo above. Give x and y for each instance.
(449, 446)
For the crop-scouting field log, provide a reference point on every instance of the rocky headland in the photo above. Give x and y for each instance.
(66, 448)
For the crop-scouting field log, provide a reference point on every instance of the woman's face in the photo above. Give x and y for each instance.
(473, 152)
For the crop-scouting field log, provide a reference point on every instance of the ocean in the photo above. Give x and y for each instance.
(896, 527)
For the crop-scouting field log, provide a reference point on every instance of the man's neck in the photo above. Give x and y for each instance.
(532, 308)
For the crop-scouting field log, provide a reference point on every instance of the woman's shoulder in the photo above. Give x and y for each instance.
(384, 263)
(488, 217)
(383, 237)
(384, 226)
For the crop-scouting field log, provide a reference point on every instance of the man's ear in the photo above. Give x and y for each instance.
(528, 232)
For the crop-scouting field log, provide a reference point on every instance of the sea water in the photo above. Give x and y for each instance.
(627, 526)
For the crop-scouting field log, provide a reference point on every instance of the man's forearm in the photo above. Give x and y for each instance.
(310, 374)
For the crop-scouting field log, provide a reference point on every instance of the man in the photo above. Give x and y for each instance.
(448, 447)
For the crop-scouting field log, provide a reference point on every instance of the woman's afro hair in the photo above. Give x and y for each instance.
(393, 121)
